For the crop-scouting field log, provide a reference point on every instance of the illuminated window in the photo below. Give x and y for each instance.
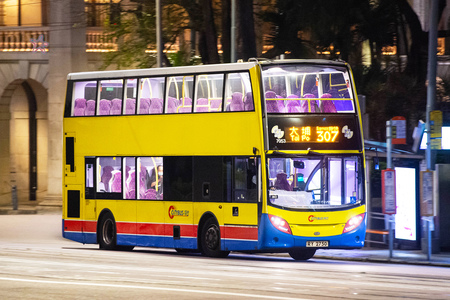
(130, 97)
(111, 93)
(150, 175)
(84, 98)
(109, 175)
(238, 92)
(179, 94)
(151, 95)
(209, 93)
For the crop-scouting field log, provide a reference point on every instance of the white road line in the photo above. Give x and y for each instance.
(150, 288)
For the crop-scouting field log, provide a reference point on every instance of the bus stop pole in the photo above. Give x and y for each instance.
(233, 31)
(389, 166)
(432, 66)
(159, 46)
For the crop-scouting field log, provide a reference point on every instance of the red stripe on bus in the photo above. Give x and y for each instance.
(239, 232)
(80, 226)
(166, 229)
(126, 227)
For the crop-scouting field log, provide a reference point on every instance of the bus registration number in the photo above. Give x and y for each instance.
(316, 243)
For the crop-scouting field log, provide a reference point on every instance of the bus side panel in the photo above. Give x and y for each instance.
(179, 228)
(150, 223)
(125, 216)
(240, 230)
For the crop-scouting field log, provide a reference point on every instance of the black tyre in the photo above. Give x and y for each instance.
(107, 232)
(210, 239)
(302, 253)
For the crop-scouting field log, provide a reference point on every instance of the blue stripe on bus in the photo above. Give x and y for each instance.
(236, 245)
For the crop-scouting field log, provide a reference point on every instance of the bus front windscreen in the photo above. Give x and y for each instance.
(307, 89)
(322, 182)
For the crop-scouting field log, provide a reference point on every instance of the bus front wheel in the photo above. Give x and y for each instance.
(210, 240)
(302, 253)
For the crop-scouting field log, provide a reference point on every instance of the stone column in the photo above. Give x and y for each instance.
(67, 53)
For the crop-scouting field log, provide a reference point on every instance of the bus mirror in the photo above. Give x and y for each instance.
(299, 165)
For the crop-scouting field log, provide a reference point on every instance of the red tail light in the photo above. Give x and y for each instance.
(280, 224)
(353, 223)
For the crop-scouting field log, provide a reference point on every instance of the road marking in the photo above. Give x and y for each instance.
(151, 288)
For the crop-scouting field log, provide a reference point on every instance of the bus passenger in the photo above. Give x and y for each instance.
(153, 181)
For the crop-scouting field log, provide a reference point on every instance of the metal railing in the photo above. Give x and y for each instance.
(29, 39)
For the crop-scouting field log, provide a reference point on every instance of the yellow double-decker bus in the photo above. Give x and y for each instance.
(262, 156)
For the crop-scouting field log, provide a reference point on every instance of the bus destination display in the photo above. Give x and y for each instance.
(312, 134)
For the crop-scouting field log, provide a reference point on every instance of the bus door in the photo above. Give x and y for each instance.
(241, 207)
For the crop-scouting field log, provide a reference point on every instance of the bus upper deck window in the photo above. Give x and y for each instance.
(130, 97)
(208, 93)
(179, 94)
(238, 92)
(151, 95)
(110, 95)
(83, 98)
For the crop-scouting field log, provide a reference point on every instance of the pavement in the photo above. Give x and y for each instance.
(366, 254)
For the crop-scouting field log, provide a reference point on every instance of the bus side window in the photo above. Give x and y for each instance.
(178, 178)
(110, 95)
(84, 98)
(209, 93)
(90, 178)
(238, 92)
(109, 175)
(241, 179)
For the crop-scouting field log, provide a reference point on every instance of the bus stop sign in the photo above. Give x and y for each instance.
(388, 192)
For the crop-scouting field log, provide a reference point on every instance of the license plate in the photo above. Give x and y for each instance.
(317, 244)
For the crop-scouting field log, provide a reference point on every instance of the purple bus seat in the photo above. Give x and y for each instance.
(131, 194)
(172, 105)
(150, 194)
(293, 106)
(90, 108)
(130, 106)
(106, 176)
(186, 106)
(327, 106)
(156, 106)
(236, 103)
(105, 107)
(144, 105)
(202, 105)
(143, 182)
(281, 182)
(79, 107)
(248, 102)
(274, 105)
(216, 104)
(313, 104)
(116, 182)
(116, 106)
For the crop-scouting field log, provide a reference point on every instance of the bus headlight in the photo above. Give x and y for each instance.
(280, 224)
(353, 223)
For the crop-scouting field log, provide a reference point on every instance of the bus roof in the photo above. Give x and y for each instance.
(196, 69)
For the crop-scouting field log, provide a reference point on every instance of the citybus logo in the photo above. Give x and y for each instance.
(312, 218)
(173, 212)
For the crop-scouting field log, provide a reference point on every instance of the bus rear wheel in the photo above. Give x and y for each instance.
(302, 253)
(107, 232)
(210, 240)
